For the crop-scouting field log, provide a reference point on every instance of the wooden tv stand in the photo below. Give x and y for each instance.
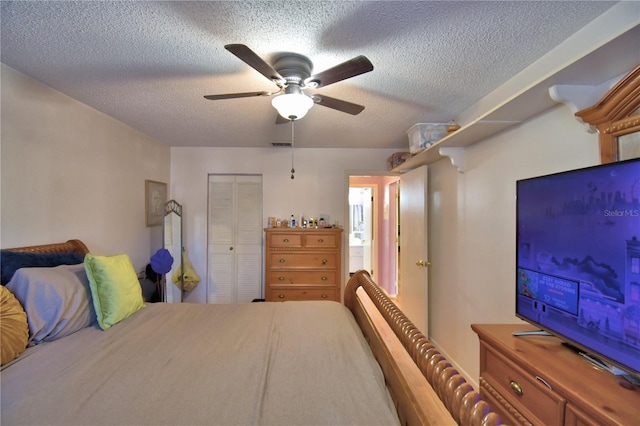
(537, 380)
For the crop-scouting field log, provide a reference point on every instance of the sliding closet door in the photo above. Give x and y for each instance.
(234, 239)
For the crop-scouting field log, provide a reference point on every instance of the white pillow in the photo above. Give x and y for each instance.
(57, 300)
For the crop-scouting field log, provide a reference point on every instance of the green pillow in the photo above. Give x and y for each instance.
(115, 289)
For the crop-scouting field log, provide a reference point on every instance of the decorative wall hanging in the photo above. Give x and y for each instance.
(155, 194)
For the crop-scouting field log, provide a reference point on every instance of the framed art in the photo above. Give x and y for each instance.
(155, 195)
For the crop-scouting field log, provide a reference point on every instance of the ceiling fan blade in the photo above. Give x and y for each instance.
(253, 60)
(344, 106)
(237, 95)
(356, 66)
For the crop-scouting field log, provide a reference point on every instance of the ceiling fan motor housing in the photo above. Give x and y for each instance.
(293, 67)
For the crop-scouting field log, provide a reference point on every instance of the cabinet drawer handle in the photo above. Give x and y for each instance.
(320, 240)
(324, 261)
(281, 260)
(324, 296)
(281, 278)
(286, 240)
(515, 387)
(324, 278)
(281, 296)
(540, 379)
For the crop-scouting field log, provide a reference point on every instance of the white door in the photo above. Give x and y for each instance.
(234, 239)
(413, 283)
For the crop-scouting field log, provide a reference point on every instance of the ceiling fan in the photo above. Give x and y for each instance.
(291, 72)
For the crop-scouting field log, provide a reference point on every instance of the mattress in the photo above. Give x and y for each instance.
(290, 363)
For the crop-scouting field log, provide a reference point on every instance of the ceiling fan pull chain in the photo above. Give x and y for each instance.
(292, 169)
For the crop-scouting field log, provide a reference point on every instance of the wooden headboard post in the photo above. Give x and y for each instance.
(416, 405)
(74, 246)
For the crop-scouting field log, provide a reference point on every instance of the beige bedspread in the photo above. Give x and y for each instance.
(291, 363)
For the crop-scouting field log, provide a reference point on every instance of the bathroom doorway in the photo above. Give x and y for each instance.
(373, 228)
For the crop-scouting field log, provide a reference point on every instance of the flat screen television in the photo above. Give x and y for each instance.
(578, 260)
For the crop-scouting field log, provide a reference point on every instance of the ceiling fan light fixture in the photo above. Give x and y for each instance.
(294, 105)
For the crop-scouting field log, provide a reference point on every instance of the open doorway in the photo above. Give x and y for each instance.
(373, 228)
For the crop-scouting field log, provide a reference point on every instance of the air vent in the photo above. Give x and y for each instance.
(285, 144)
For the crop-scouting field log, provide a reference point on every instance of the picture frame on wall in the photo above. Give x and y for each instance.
(155, 196)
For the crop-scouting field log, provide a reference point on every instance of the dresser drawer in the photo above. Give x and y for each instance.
(509, 415)
(284, 260)
(540, 404)
(285, 240)
(320, 240)
(285, 277)
(283, 294)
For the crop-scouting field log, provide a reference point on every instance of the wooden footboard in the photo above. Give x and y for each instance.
(426, 389)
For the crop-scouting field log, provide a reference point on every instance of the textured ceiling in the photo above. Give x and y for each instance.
(149, 64)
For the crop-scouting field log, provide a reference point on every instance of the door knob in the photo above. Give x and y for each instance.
(423, 263)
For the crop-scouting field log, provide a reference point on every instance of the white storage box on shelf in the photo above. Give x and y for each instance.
(423, 135)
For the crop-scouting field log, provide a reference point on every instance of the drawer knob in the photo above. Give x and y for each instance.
(286, 240)
(324, 296)
(324, 278)
(320, 240)
(281, 296)
(515, 387)
(324, 261)
(281, 278)
(281, 260)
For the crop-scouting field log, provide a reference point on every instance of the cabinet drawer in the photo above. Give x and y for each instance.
(284, 294)
(575, 417)
(320, 241)
(303, 260)
(538, 403)
(287, 277)
(509, 415)
(285, 240)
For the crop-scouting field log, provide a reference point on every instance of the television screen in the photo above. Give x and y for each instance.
(578, 259)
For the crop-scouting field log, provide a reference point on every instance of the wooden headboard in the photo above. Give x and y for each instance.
(75, 246)
(427, 390)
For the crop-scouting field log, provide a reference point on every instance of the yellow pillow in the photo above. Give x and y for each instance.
(14, 329)
(115, 289)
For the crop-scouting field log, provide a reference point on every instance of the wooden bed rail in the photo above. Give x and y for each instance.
(457, 396)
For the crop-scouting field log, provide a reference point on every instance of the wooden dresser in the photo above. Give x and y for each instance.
(303, 264)
(536, 380)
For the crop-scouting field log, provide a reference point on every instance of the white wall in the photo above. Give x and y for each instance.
(472, 225)
(70, 171)
(320, 186)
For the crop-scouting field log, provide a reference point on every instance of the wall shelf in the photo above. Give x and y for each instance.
(534, 98)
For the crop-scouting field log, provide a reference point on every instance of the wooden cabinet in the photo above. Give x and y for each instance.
(303, 264)
(536, 380)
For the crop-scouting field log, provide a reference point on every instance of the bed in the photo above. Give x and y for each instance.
(274, 363)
